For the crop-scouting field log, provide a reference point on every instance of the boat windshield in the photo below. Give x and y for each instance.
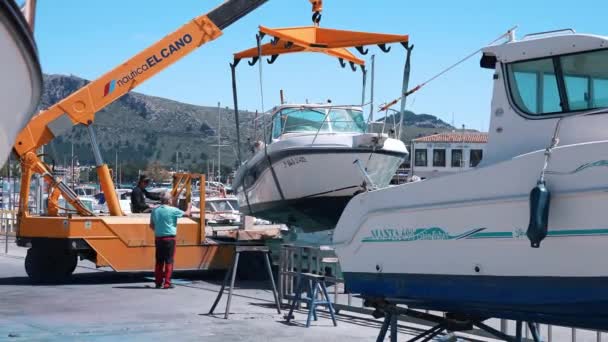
(560, 84)
(306, 119)
(222, 205)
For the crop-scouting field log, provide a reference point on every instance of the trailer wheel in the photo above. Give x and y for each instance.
(44, 265)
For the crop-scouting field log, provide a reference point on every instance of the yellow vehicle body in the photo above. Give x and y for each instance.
(126, 243)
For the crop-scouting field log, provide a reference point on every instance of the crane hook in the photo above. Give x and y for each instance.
(317, 8)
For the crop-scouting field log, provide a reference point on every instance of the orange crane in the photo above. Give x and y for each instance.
(124, 243)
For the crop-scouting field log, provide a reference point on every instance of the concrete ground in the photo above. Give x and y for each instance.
(101, 305)
(106, 306)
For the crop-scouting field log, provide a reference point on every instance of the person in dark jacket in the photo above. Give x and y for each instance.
(139, 195)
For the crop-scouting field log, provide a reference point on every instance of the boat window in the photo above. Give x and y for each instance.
(475, 157)
(439, 158)
(534, 86)
(234, 204)
(420, 157)
(582, 83)
(276, 126)
(456, 157)
(222, 206)
(346, 120)
(586, 79)
(304, 120)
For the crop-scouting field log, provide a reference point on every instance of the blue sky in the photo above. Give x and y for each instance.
(89, 38)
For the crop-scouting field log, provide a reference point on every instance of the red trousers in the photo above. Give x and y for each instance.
(165, 253)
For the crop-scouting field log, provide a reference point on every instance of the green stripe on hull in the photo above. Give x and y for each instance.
(442, 235)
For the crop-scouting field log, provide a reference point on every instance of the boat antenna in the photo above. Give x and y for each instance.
(508, 35)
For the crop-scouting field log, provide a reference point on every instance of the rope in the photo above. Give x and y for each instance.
(446, 70)
(261, 82)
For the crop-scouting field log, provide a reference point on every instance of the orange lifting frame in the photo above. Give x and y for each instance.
(322, 40)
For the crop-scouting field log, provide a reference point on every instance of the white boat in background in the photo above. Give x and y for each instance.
(312, 165)
(21, 81)
(219, 210)
(462, 243)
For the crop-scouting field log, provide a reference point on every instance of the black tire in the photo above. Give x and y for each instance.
(45, 265)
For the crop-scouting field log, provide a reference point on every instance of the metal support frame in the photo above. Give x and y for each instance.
(231, 274)
(448, 323)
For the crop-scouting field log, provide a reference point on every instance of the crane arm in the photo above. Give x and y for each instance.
(81, 106)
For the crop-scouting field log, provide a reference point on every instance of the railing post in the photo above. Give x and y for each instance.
(5, 218)
(281, 273)
(573, 334)
(549, 333)
(503, 326)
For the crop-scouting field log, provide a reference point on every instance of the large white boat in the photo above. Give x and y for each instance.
(463, 243)
(313, 165)
(21, 81)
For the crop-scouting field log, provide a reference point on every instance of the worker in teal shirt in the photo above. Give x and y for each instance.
(164, 223)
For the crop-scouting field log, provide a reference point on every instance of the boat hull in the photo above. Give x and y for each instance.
(21, 81)
(568, 301)
(310, 187)
(458, 243)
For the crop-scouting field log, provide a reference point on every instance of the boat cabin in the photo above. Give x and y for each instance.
(539, 79)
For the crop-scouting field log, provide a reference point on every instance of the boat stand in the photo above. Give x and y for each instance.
(231, 274)
(449, 323)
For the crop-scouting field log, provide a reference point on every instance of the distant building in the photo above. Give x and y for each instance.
(445, 153)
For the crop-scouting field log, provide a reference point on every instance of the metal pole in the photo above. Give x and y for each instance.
(371, 104)
(11, 189)
(364, 77)
(236, 111)
(72, 165)
(96, 152)
(8, 172)
(219, 143)
(11, 184)
(116, 167)
(405, 86)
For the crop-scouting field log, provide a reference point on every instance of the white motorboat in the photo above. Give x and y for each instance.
(463, 243)
(21, 81)
(313, 165)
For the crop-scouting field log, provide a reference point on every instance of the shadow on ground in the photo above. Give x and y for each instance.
(110, 277)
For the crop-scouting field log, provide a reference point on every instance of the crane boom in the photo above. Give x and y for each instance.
(80, 107)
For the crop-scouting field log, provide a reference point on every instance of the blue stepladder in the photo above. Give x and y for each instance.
(314, 285)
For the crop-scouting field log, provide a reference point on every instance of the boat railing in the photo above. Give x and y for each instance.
(549, 33)
(322, 260)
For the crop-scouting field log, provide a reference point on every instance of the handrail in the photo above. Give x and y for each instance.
(544, 33)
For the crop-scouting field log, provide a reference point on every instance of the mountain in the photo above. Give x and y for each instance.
(141, 129)
(417, 125)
